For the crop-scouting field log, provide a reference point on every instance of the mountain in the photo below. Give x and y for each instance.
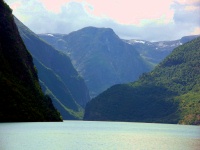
(155, 52)
(57, 75)
(168, 94)
(100, 56)
(21, 97)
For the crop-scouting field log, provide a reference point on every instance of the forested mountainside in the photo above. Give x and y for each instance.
(91, 48)
(57, 75)
(168, 94)
(100, 56)
(21, 97)
(155, 52)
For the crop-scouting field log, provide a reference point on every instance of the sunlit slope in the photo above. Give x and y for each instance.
(168, 94)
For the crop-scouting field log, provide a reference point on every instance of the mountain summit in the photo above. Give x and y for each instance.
(100, 56)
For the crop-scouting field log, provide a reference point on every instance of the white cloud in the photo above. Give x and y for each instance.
(75, 15)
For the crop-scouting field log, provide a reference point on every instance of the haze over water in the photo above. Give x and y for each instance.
(84, 135)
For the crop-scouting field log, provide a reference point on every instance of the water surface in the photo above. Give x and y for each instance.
(86, 135)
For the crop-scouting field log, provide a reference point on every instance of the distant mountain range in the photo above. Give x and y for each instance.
(21, 97)
(168, 94)
(72, 67)
(57, 75)
(103, 59)
(155, 52)
(100, 56)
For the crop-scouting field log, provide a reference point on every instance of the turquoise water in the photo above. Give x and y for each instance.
(85, 135)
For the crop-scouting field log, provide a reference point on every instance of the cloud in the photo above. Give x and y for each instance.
(187, 2)
(53, 6)
(187, 16)
(196, 31)
(149, 20)
(16, 5)
(121, 11)
(132, 12)
(188, 5)
(71, 17)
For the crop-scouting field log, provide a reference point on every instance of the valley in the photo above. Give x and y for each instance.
(94, 74)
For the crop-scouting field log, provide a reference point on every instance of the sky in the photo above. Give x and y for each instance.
(154, 20)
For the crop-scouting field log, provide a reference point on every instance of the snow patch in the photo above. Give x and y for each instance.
(137, 41)
(50, 35)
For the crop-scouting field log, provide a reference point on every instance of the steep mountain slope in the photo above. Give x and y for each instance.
(100, 56)
(169, 94)
(21, 97)
(155, 52)
(57, 75)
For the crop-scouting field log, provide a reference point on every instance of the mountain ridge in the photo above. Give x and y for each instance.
(21, 97)
(168, 94)
(155, 52)
(100, 57)
(57, 75)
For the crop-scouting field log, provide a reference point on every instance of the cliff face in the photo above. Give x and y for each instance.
(57, 75)
(21, 97)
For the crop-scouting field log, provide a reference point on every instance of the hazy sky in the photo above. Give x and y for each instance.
(152, 20)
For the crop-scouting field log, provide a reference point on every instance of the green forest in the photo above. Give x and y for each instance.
(168, 94)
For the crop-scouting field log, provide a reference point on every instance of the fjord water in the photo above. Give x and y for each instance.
(86, 135)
